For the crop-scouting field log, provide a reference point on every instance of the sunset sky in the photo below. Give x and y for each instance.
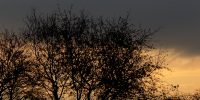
(179, 21)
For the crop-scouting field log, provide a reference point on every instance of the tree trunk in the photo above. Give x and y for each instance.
(89, 95)
(1, 96)
(11, 95)
(78, 95)
(55, 92)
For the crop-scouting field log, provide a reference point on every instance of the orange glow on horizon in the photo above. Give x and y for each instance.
(185, 71)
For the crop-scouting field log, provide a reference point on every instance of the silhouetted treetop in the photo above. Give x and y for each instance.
(87, 30)
(92, 57)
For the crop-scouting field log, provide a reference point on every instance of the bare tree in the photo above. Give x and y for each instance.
(110, 61)
(49, 52)
(100, 58)
(14, 63)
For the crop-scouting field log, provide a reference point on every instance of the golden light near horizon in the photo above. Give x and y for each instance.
(185, 71)
(78, 56)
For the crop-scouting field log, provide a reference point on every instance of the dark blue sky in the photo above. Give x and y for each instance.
(180, 19)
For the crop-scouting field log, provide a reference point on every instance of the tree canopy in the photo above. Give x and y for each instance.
(79, 56)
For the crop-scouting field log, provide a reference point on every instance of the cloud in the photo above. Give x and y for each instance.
(180, 18)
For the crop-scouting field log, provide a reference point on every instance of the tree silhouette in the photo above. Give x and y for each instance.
(49, 52)
(14, 63)
(99, 58)
(50, 60)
